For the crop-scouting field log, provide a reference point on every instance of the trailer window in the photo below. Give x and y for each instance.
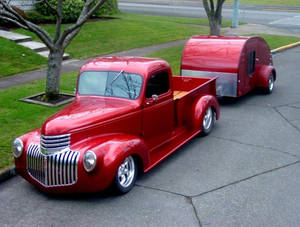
(157, 84)
(251, 63)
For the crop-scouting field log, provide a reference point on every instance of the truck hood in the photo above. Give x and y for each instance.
(85, 112)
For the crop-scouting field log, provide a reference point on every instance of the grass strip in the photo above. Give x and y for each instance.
(276, 41)
(17, 118)
(269, 2)
(15, 58)
(128, 32)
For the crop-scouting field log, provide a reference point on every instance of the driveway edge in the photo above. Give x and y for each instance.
(8, 173)
(283, 48)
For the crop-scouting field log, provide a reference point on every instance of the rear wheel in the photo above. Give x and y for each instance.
(270, 87)
(208, 121)
(126, 175)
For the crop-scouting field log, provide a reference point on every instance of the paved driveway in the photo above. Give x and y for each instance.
(246, 173)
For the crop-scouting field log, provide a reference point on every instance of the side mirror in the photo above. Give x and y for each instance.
(154, 97)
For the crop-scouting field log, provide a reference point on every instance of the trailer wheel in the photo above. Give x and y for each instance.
(270, 87)
(208, 121)
(126, 176)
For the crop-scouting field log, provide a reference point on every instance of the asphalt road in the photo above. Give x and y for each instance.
(288, 18)
(246, 173)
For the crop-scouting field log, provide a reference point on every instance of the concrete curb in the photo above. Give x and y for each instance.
(8, 173)
(11, 172)
(283, 48)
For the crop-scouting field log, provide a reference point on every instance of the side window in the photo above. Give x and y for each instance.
(251, 63)
(157, 84)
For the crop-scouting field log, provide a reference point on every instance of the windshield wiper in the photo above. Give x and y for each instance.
(116, 77)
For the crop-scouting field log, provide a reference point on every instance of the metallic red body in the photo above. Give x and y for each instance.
(115, 128)
(228, 56)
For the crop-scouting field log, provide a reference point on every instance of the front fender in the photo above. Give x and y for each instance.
(111, 152)
(263, 74)
(200, 107)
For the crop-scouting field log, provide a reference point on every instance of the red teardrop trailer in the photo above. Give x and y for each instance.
(242, 63)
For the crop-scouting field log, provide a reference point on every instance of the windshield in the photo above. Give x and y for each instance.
(110, 83)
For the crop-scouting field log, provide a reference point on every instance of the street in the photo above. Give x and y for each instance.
(245, 173)
(286, 18)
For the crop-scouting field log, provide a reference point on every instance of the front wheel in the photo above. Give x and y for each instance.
(270, 87)
(208, 121)
(126, 175)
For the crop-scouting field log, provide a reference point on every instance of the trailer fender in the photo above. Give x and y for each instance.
(263, 74)
(200, 107)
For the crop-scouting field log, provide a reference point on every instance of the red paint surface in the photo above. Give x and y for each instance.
(229, 55)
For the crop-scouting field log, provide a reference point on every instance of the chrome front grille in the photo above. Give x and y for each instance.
(53, 144)
(52, 170)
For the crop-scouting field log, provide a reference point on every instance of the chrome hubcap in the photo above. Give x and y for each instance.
(271, 83)
(126, 172)
(208, 118)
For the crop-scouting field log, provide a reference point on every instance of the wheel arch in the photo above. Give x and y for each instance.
(263, 74)
(200, 107)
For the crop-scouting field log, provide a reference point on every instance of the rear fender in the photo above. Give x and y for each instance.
(263, 74)
(200, 108)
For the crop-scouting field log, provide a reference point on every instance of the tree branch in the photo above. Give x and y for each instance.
(212, 6)
(58, 20)
(10, 13)
(207, 9)
(13, 21)
(85, 14)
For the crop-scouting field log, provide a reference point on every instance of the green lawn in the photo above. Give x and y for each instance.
(276, 41)
(102, 37)
(15, 58)
(128, 32)
(269, 2)
(17, 118)
(171, 55)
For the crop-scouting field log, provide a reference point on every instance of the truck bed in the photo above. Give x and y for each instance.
(186, 91)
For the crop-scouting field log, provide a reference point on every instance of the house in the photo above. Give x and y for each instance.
(24, 4)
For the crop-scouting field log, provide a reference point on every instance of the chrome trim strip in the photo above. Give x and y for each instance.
(226, 84)
(51, 144)
(55, 137)
(54, 144)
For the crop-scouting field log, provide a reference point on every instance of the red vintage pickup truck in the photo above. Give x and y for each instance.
(129, 114)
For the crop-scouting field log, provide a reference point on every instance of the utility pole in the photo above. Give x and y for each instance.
(235, 17)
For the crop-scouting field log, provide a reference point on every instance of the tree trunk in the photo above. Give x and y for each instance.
(53, 73)
(215, 27)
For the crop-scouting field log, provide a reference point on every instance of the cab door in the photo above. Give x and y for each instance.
(158, 112)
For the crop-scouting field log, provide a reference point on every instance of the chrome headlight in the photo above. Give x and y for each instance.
(89, 161)
(17, 148)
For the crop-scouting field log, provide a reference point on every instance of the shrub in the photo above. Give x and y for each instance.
(36, 17)
(110, 7)
(71, 9)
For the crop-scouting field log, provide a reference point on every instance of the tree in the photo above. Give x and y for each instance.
(214, 14)
(56, 44)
